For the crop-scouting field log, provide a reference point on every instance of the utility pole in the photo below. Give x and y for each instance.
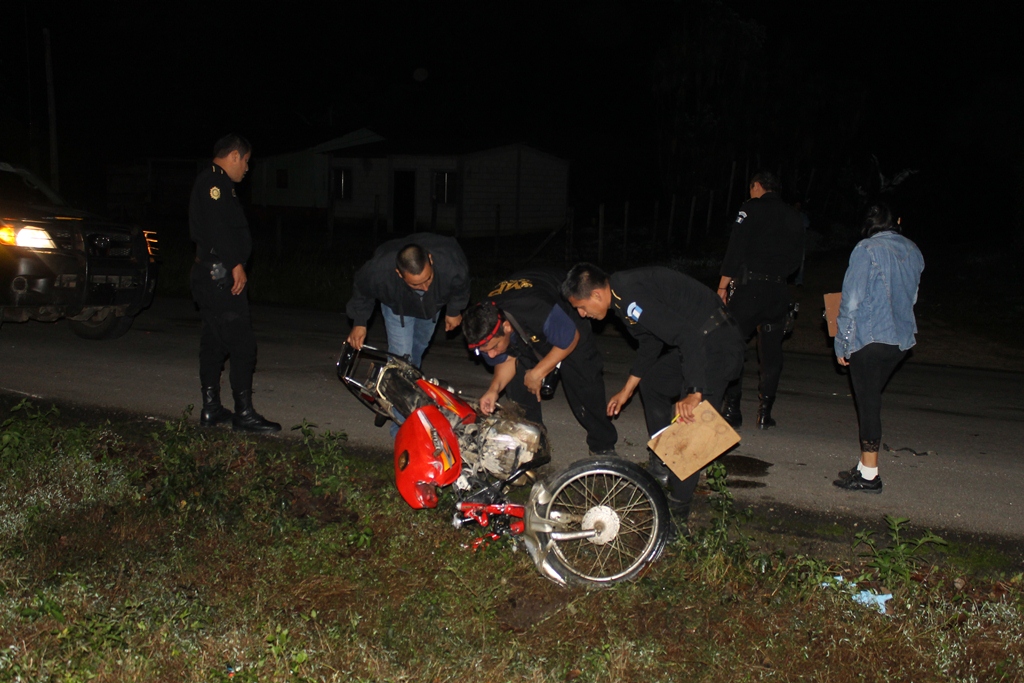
(33, 142)
(50, 100)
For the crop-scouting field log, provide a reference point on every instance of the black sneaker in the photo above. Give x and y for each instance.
(858, 483)
(846, 474)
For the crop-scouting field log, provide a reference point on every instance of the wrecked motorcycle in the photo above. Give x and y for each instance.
(596, 523)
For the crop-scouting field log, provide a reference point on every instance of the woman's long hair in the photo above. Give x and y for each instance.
(879, 219)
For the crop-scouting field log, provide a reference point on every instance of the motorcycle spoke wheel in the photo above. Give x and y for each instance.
(612, 520)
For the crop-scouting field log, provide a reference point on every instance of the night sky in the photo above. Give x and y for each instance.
(821, 88)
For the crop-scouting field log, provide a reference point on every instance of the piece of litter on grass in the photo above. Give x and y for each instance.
(890, 449)
(868, 598)
(872, 599)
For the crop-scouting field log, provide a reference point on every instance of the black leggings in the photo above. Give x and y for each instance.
(870, 370)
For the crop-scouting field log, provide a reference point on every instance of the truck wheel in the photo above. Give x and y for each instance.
(111, 327)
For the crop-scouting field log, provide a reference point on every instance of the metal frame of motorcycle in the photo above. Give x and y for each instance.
(543, 529)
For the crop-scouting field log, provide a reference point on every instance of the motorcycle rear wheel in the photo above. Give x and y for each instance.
(618, 500)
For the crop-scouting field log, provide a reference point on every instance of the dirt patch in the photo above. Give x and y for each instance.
(520, 613)
(304, 501)
(326, 594)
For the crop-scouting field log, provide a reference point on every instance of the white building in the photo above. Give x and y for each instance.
(362, 178)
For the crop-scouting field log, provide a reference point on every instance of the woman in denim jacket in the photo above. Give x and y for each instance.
(876, 329)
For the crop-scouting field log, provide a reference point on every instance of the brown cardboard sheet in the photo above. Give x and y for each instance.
(832, 302)
(687, 448)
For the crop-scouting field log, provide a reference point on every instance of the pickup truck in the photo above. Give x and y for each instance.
(59, 262)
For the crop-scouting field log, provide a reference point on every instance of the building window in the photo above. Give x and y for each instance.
(282, 178)
(342, 184)
(444, 187)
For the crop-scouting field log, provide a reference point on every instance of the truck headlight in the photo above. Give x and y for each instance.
(26, 236)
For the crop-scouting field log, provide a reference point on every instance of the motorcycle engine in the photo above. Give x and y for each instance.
(498, 446)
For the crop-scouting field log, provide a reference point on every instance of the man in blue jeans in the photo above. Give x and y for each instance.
(414, 278)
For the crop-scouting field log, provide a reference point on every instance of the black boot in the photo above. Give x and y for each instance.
(246, 419)
(658, 469)
(213, 412)
(764, 412)
(679, 515)
(731, 411)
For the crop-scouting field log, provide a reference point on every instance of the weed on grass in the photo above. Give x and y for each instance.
(180, 554)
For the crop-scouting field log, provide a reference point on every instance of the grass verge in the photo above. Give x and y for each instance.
(166, 553)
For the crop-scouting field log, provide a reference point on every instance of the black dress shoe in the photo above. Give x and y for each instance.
(859, 483)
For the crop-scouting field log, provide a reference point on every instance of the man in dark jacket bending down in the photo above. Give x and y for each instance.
(413, 277)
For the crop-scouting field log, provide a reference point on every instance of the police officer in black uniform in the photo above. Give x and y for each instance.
(765, 248)
(690, 347)
(525, 330)
(223, 244)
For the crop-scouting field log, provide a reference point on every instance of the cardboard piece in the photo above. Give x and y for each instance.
(687, 448)
(832, 302)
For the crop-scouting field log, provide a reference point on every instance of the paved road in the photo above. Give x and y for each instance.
(971, 419)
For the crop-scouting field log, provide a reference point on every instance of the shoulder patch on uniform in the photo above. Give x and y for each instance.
(510, 285)
(741, 216)
(215, 192)
(633, 312)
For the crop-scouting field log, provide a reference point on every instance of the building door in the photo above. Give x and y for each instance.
(405, 202)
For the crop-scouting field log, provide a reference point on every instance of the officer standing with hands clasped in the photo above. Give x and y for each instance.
(765, 248)
(527, 331)
(690, 347)
(220, 230)
(414, 278)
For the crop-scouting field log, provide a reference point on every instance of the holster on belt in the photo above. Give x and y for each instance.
(718, 318)
(218, 272)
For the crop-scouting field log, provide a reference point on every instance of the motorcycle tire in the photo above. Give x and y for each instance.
(624, 503)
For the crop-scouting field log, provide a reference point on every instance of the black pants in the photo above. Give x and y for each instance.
(226, 333)
(582, 378)
(661, 385)
(761, 307)
(870, 370)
